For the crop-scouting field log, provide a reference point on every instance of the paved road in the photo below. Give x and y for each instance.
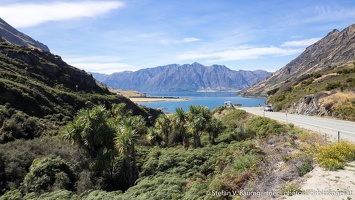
(327, 126)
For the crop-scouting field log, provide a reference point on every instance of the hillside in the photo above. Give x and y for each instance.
(16, 37)
(194, 77)
(329, 93)
(41, 86)
(329, 53)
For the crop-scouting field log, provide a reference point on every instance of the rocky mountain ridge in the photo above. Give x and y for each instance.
(335, 49)
(18, 38)
(187, 77)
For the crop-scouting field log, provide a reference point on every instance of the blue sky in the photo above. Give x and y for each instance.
(112, 36)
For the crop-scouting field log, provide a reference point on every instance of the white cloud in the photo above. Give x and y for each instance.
(331, 13)
(101, 64)
(176, 42)
(239, 53)
(300, 43)
(27, 15)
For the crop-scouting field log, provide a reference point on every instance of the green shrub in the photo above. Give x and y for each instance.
(263, 127)
(244, 162)
(48, 174)
(307, 82)
(332, 86)
(346, 111)
(272, 92)
(316, 74)
(279, 97)
(306, 166)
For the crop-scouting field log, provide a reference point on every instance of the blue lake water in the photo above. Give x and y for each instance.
(208, 99)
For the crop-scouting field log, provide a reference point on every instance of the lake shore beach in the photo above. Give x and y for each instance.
(156, 99)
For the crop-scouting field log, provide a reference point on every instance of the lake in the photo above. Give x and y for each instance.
(208, 99)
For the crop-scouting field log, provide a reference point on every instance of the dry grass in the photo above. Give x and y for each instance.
(337, 99)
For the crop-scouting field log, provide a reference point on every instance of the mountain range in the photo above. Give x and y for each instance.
(187, 77)
(18, 38)
(332, 51)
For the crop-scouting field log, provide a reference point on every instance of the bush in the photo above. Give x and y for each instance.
(279, 97)
(334, 156)
(19, 155)
(306, 166)
(48, 174)
(332, 86)
(316, 75)
(263, 127)
(272, 92)
(244, 162)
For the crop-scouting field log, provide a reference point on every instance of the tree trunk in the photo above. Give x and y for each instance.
(134, 165)
(197, 140)
(185, 141)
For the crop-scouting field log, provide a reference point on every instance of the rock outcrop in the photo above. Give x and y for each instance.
(311, 106)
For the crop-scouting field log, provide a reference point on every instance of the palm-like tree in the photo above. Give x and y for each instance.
(128, 132)
(199, 117)
(214, 128)
(179, 126)
(119, 112)
(153, 136)
(163, 125)
(94, 131)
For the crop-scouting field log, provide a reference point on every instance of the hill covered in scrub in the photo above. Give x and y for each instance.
(187, 77)
(328, 93)
(39, 86)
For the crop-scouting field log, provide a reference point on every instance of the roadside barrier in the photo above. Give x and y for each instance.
(329, 133)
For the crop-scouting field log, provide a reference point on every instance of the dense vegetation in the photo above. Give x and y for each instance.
(334, 87)
(111, 153)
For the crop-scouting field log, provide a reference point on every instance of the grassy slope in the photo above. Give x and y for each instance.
(337, 84)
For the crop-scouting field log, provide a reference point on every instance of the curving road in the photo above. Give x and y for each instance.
(327, 126)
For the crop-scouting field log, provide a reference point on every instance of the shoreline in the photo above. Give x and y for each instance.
(156, 99)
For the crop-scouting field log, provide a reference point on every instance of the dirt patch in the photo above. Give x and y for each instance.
(321, 184)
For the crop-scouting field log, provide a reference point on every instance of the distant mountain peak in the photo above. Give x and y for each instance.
(186, 77)
(18, 38)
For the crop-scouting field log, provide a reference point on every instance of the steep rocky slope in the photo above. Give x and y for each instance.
(334, 50)
(42, 85)
(16, 37)
(194, 77)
